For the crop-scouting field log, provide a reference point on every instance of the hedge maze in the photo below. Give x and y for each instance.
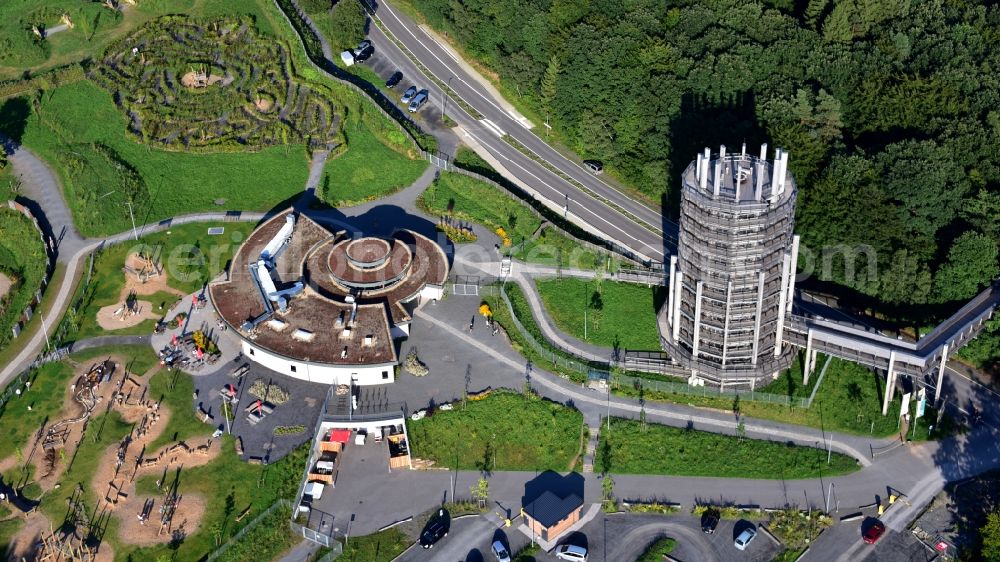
(214, 85)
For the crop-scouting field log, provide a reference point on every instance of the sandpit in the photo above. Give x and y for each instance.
(5, 285)
(195, 79)
(141, 278)
(113, 316)
(263, 104)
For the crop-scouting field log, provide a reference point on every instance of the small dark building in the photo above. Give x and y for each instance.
(552, 503)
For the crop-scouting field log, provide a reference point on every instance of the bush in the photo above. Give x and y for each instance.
(270, 392)
(414, 365)
(289, 429)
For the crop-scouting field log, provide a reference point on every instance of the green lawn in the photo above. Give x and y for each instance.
(789, 382)
(174, 389)
(618, 315)
(268, 538)
(74, 119)
(139, 358)
(849, 400)
(468, 199)
(188, 255)
(369, 170)
(17, 423)
(551, 360)
(661, 449)
(658, 549)
(102, 432)
(22, 262)
(552, 247)
(226, 481)
(383, 546)
(506, 429)
(9, 528)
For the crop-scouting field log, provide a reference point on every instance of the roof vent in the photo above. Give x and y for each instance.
(303, 335)
(340, 320)
(346, 334)
(277, 325)
(343, 353)
(369, 339)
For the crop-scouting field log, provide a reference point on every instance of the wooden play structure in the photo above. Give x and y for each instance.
(144, 265)
(56, 547)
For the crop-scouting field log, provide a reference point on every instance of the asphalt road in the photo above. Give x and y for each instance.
(596, 207)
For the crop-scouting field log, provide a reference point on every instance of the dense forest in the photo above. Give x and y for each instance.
(890, 109)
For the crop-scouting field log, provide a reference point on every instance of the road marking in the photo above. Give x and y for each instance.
(576, 167)
(541, 181)
(493, 127)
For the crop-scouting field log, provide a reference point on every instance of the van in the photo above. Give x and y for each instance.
(418, 101)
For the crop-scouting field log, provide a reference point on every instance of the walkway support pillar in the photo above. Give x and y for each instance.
(890, 384)
(807, 368)
(940, 381)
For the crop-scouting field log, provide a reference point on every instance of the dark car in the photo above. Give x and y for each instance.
(364, 54)
(594, 165)
(363, 45)
(394, 79)
(710, 520)
(874, 532)
(435, 530)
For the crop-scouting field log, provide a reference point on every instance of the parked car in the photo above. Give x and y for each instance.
(572, 553)
(874, 532)
(436, 529)
(408, 94)
(364, 54)
(744, 539)
(394, 79)
(595, 166)
(363, 45)
(417, 101)
(710, 520)
(500, 551)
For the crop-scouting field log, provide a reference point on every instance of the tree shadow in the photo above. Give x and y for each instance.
(13, 121)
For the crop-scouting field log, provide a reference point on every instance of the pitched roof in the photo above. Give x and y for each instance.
(549, 509)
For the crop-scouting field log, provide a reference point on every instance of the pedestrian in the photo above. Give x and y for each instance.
(472, 323)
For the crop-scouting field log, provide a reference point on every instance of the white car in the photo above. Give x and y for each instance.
(745, 538)
(572, 553)
(500, 551)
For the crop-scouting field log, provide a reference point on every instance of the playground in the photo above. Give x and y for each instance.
(144, 276)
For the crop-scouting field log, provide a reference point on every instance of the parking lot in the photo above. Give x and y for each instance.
(470, 540)
(430, 112)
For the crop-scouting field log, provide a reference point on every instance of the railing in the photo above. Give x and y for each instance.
(557, 359)
(620, 381)
(242, 532)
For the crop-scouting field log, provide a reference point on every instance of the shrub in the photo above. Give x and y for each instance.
(289, 429)
(414, 365)
(270, 392)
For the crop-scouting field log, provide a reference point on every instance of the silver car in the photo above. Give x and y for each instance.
(572, 553)
(408, 94)
(745, 538)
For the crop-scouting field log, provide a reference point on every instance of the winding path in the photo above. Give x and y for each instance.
(919, 470)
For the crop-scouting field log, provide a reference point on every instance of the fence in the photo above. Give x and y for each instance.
(249, 526)
(557, 359)
(619, 381)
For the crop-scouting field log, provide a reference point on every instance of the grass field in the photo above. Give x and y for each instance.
(102, 432)
(269, 537)
(74, 119)
(17, 423)
(553, 361)
(368, 170)
(139, 358)
(849, 400)
(22, 262)
(226, 481)
(658, 550)
(189, 256)
(661, 449)
(618, 315)
(174, 389)
(505, 431)
(9, 528)
(377, 547)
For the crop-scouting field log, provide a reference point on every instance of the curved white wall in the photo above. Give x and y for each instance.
(325, 373)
